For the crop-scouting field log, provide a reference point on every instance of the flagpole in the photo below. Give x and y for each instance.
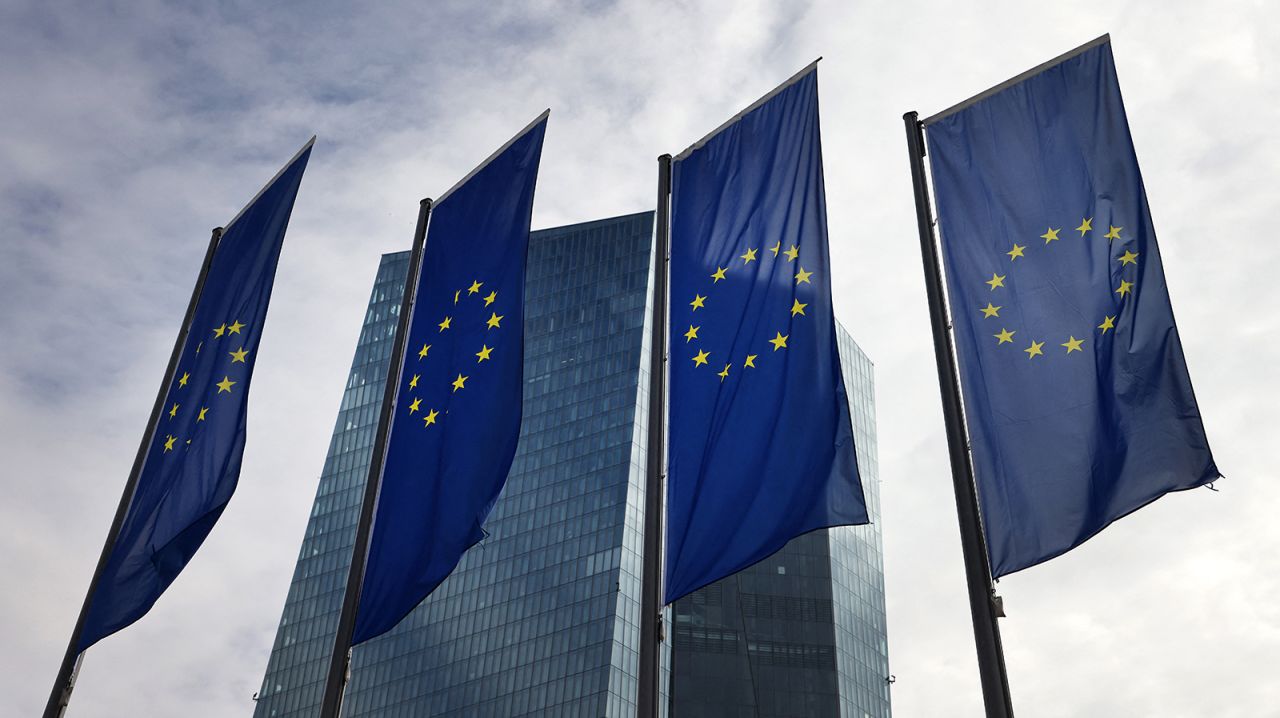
(60, 696)
(650, 669)
(986, 630)
(339, 662)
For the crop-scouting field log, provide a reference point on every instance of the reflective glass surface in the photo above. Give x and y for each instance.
(540, 617)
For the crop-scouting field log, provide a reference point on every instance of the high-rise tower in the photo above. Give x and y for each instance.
(541, 617)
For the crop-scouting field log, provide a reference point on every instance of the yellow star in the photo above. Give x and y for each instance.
(460, 382)
(748, 257)
(474, 288)
(990, 311)
(484, 353)
(188, 442)
(718, 275)
(174, 411)
(775, 248)
(425, 348)
(691, 334)
(182, 381)
(445, 324)
(779, 341)
(1034, 350)
(1050, 235)
(168, 443)
(220, 330)
(701, 358)
(997, 280)
(203, 411)
(413, 383)
(697, 302)
(724, 374)
(430, 418)
(1016, 251)
(238, 356)
(1073, 345)
(1125, 287)
(1005, 336)
(1085, 226)
(1107, 323)
(751, 361)
(494, 321)
(489, 299)
(1128, 257)
(797, 307)
(235, 328)
(792, 253)
(225, 385)
(456, 295)
(802, 277)
(417, 403)
(1113, 234)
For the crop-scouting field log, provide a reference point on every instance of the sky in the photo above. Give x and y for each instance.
(129, 130)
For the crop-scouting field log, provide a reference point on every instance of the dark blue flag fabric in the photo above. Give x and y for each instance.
(761, 446)
(1077, 398)
(193, 462)
(459, 397)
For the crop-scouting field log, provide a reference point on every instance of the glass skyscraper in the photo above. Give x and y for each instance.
(541, 617)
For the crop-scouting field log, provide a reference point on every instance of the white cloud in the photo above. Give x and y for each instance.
(128, 133)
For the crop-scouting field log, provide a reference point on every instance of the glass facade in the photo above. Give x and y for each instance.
(801, 633)
(541, 617)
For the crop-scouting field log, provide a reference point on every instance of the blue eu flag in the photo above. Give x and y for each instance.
(193, 462)
(460, 390)
(1077, 398)
(761, 446)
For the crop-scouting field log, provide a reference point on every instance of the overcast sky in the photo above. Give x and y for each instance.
(128, 132)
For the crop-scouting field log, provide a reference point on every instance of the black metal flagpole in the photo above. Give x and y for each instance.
(650, 678)
(339, 662)
(60, 696)
(986, 631)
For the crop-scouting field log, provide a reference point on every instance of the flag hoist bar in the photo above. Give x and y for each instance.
(650, 673)
(60, 696)
(339, 672)
(986, 631)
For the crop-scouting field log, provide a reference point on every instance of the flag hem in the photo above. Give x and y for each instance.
(669, 601)
(507, 145)
(1210, 476)
(270, 182)
(965, 104)
(753, 106)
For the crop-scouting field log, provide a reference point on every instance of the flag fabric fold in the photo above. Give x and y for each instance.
(761, 446)
(1077, 398)
(458, 406)
(192, 465)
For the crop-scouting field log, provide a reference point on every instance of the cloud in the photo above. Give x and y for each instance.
(130, 131)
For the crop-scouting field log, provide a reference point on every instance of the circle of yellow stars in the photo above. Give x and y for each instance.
(779, 341)
(431, 416)
(1072, 344)
(177, 396)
